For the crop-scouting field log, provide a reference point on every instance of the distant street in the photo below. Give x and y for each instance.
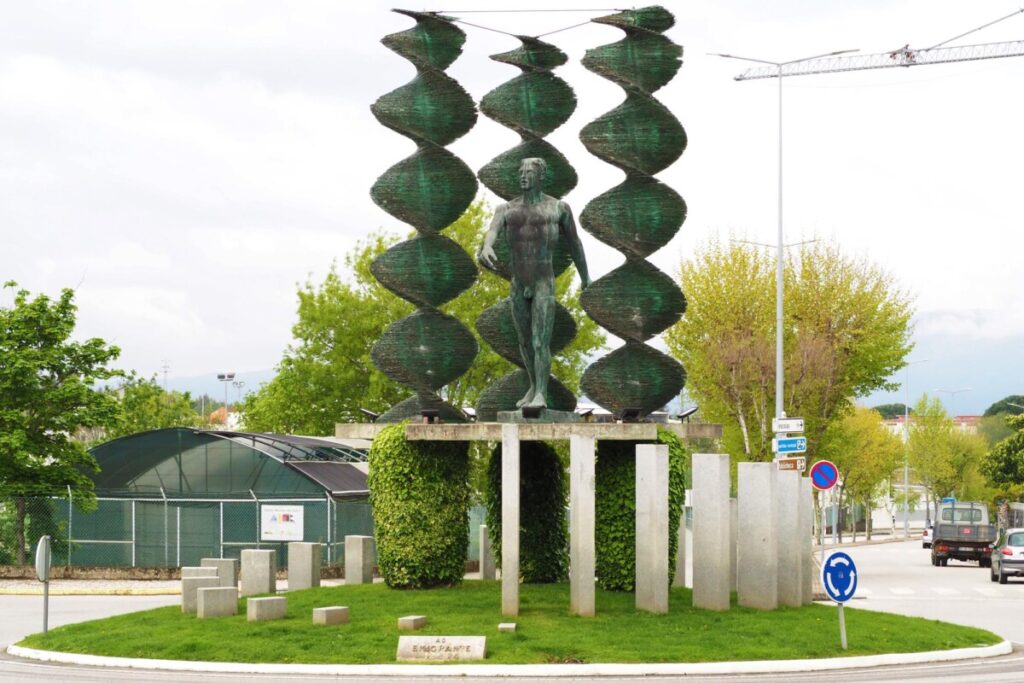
(894, 577)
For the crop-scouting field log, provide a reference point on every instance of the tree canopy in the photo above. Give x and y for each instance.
(326, 375)
(143, 405)
(891, 411)
(1004, 465)
(1013, 405)
(846, 331)
(946, 460)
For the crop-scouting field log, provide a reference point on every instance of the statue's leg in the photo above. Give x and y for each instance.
(522, 317)
(543, 325)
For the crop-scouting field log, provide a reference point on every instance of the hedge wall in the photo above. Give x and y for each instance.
(419, 493)
(544, 534)
(616, 508)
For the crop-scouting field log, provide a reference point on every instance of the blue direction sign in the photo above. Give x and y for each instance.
(824, 475)
(839, 577)
(795, 444)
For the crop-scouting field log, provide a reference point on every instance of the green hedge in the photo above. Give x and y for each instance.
(419, 493)
(616, 508)
(544, 536)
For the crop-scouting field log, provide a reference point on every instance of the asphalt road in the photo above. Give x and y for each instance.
(895, 577)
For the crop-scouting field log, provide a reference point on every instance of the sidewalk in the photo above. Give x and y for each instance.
(112, 587)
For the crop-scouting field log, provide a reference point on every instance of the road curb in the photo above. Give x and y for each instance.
(515, 670)
(92, 591)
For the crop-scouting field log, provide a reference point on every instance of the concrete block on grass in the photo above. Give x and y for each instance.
(507, 628)
(266, 609)
(412, 623)
(196, 572)
(359, 555)
(259, 572)
(189, 587)
(227, 569)
(328, 616)
(216, 602)
(304, 561)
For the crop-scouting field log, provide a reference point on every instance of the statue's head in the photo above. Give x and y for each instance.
(532, 171)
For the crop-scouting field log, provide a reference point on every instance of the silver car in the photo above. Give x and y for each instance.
(1008, 555)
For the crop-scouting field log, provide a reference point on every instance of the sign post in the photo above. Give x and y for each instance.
(824, 476)
(43, 572)
(839, 578)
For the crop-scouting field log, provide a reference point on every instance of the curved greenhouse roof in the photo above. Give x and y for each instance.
(182, 462)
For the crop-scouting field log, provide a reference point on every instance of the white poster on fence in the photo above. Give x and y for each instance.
(281, 523)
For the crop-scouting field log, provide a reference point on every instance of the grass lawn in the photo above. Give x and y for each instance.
(546, 632)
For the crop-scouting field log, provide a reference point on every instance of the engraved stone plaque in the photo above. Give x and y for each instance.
(441, 648)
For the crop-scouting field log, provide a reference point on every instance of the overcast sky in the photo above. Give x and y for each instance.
(184, 165)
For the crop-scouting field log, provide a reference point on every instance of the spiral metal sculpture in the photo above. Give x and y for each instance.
(533, 104)
(639, 216)
(428, 190)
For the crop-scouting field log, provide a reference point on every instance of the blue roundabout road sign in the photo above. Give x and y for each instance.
(839, 577)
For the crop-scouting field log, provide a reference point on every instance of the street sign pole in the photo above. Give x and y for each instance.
(43, 572)
(842, 627)
(839, 580)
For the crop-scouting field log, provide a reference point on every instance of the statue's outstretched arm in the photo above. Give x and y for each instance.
(487, 255)
(568, 226)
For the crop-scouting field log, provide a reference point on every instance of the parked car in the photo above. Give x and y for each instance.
(926, 537)
(1008, 555)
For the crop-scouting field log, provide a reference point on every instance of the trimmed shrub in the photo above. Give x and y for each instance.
(419, 494)
(616, 508)
(544, 534)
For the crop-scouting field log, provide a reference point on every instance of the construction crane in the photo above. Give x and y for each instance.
(905, 56)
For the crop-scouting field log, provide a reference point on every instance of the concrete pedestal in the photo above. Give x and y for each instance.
(652, 528)
(806, 531)
(190, 585)
(582, 552)
(329, 616)
(227, 569)
(196, 572)
(259, 572)
(510, 520)
(679, 579)
(487, 562)
(359, 556)
(412, 622)
(304, 561)
(216, 602)
(734, 525)
(789, 537)
(757, 563)
(711, 531)
(266, 609)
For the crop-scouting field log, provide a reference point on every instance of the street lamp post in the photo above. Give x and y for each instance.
(780, 245)
(906, 451)
(238, 386)
(225, 377)
(952, 393)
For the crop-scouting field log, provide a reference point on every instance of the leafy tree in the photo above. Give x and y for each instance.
(846, 330)
(865, 452)
(47, 393)
(144, 405)
(891, 411)
(326, 376)
(1013, 404)
(1004, 465)
(994, 428)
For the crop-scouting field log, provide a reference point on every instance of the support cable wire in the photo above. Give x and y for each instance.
(514, 35)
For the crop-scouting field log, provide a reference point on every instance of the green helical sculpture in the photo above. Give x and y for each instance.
(533, 104)
(639, 216)
(428, 190)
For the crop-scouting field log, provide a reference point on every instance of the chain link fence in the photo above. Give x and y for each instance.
(176, 532)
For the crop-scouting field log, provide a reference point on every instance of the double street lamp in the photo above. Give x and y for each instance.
(225, 377)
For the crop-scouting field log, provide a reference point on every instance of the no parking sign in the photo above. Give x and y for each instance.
(824, 475)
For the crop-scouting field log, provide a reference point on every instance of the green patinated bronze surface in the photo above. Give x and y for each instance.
(429, 190)
(506, 391)
(497, 327)
(640, 136)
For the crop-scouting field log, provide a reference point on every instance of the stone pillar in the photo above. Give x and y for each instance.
(509, 520)
(582, 550)
(652, 528)
(227, 569)
(806, 531)
(259, 572)
(359, 552)
(304, 560)
(789, 537)
(679, 580)
(757, 561)
(734, 525)
(487, 572)
(190, 586)
(711, 531)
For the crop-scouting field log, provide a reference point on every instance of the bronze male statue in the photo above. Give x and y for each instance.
(533, 224)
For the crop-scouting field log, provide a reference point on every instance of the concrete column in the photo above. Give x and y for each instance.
(711, 531)
(227, 569)
(652, 528)
(757, 562)
(789, 538)
(679, 580)
(304, 561)
(359, 552)
(734, 525)
(806, 529)
(582, 549)
(259, 572)
(487, 572)
(509, 520)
